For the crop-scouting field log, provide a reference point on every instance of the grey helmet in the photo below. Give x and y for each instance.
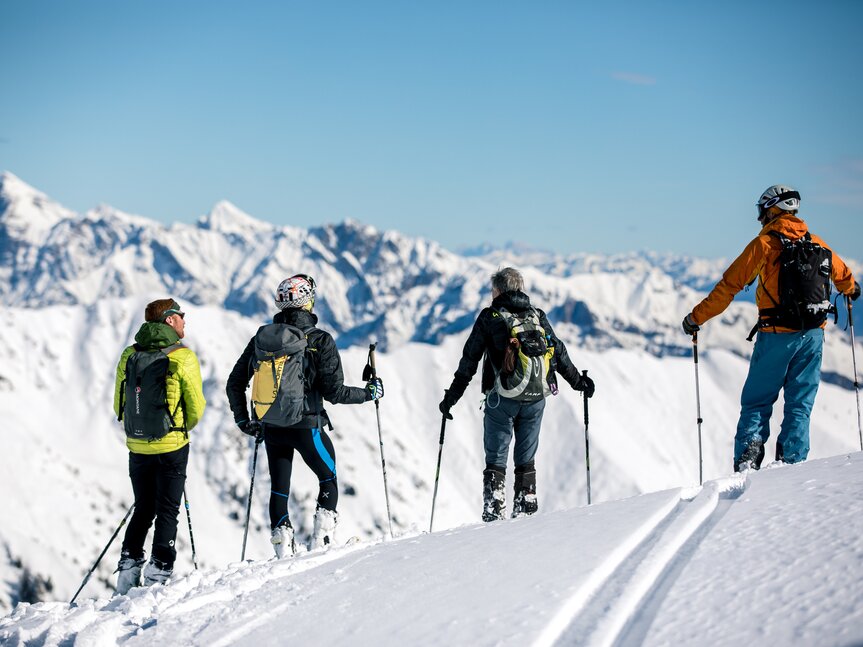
(778, 195)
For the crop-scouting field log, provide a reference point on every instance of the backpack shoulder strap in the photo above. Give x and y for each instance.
(780, 237)
(181, 404)
(167, 350)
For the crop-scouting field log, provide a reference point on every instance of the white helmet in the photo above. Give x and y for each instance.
(297, 291)
(779, 195)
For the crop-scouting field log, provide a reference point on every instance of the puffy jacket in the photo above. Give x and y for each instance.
(760, 260)
(489, 338)
(324, 373)
(183, 384)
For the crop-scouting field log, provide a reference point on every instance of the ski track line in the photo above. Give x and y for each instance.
(575, 603)
(637, 627)
(621, 612)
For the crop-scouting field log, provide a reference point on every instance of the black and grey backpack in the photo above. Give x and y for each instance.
(278, 378)
(144, 406)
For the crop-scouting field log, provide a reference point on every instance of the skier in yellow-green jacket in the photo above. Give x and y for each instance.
(159, 398)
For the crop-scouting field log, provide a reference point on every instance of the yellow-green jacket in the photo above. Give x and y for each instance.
(183, 381)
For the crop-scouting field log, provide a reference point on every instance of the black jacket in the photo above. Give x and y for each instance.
(324, 376)
(489, 338)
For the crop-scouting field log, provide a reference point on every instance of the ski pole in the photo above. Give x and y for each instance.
(371, 367)
(191, 534)
(854, 359)
(437, 471)
(102, 554)
(698, 406)
(259, 437)
(586, 441)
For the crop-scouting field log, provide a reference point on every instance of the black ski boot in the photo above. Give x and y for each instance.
(752, 457)
(493, 496)
(524, 502)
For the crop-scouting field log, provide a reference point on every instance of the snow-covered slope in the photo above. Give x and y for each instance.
(74, 299)
(762, 558)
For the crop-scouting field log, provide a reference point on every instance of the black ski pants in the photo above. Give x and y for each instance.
(316, 450)
(158, 481)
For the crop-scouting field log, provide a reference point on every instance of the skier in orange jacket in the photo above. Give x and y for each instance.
(792, 314)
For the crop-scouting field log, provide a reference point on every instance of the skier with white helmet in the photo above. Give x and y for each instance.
(794, 269)
(323, 380)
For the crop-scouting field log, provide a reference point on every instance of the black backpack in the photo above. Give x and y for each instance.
(144, 406)
(805, 270)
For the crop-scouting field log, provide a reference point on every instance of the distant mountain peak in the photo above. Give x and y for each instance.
(228, 218)
(26, 213)
(509, 247)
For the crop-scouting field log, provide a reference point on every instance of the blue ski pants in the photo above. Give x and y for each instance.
(504, 418)
(781, 360)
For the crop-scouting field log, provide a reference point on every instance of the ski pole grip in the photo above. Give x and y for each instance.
(372, 359)
(850, 316)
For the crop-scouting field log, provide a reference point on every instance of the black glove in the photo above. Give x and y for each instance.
(374, 389)
(586, 385)
(446, 404)
(250, 428)
(689, 326)
(855, 293)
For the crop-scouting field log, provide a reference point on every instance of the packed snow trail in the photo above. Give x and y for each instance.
(772, 557)
(623, 592)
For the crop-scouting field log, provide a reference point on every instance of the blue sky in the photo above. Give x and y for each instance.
(600, 127)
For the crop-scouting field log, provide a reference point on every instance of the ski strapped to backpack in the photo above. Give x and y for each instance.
(803, 303)
(525, 374)
(144, 407)
(278, 379)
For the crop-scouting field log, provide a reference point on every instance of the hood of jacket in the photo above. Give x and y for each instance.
(298, 317)
(514, 301)
(788, 225)
(154, 334)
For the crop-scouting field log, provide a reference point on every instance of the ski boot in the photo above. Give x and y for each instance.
(283, 542)
(493, 496)
(157, 572)
(324, 533)
(524, 503)
(751, 457)
(128, 572)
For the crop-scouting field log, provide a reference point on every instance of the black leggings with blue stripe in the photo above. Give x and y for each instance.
(316, 450)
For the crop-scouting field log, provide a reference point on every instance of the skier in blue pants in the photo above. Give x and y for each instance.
(794, 269)
(790, 360)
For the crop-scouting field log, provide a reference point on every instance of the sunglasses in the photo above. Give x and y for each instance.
(173, 311)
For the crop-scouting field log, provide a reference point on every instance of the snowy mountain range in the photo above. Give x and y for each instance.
(73, 288)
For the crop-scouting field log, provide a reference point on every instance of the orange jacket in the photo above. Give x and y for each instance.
(759, 259)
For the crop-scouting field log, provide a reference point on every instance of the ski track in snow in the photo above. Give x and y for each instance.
(619, 602)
